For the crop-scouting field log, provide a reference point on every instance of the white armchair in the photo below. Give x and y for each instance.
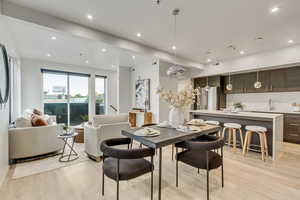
(33, 141)
(103, 127)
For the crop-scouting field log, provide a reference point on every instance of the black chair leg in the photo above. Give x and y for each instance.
(198, 170)
(152, 178)
(176, 167)
(207, 184)
(102, 182)
(176, 173)
(207, 175)
(222, 168)
(118, 170)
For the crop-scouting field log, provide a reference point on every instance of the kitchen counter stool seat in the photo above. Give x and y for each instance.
(232, 132)
(262, 133)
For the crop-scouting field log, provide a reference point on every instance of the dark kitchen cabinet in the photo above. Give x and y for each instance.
(292, 79)
(278, 80)
(248, 81)
(214, 81)
(200, 82)
(237, 82)
(292, 128)
(264, 78)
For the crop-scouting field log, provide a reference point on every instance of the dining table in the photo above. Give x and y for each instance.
(168, 136)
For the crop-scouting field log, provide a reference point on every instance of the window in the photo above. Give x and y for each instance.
(66, 95)
(100, 94)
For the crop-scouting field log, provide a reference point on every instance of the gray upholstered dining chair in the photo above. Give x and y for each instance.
(125, 164)
(199, 153)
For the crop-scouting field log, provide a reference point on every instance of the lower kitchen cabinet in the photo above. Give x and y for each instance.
(292, 128)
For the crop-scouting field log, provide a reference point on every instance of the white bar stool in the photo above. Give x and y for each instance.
(232, 131)
(262, 133)
(212, 122)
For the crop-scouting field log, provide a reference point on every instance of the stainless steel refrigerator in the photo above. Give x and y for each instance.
(207, 99)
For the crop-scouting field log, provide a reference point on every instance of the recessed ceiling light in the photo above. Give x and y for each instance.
(274, 10)
(87, 62)
(174, 47)
(53, 38)
(133, 57)
(48, 55)
(242, 52)
(90, 17)
(208, 60)
(291, 41)
(103, 50)
(138, 35)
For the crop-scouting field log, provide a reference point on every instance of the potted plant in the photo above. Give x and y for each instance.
(238, 106)
(178, 102)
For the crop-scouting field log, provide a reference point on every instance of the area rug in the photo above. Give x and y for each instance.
(47, 164)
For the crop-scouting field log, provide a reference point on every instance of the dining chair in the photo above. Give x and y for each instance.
(125, 164)
(199, 153)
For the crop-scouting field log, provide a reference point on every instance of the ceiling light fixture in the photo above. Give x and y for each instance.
(229, 85)
(138, 35)
(53, 38)
(274, 10)
(291, 41)
(87, 62)
(257, 84)
(48, 55)
(242, 52)
(103, 50)
(90, 17)
(208, 60)
(176, 70)
(133, 57)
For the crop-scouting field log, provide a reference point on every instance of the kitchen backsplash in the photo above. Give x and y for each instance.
(281, 102)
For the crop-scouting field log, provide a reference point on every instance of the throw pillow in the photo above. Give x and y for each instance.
(37, 120)
(37, 112)
(22, 122)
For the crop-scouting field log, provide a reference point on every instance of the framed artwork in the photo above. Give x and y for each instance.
(142, 94)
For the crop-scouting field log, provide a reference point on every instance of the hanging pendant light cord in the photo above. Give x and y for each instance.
(175, 33)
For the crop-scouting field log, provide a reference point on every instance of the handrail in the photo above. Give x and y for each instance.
(114, 108)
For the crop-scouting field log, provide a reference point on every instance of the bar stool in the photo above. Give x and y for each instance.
(262, 133)
(232, 131)
(212, 122)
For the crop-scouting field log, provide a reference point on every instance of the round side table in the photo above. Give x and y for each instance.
(73, 154)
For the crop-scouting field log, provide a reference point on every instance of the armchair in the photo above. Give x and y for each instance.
(103, 127)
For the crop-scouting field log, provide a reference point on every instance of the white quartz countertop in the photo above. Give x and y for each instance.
(274, 111)
(243, 114)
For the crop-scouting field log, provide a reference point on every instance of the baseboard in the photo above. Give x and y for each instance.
(3, 176)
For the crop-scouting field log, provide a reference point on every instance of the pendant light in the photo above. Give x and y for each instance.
(175, 70)
(257, 84)
(207, 86)
(229, 85)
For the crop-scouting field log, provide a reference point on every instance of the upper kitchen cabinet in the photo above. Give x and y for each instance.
(248, 80)
(292, 79)
(212, 81)
(278, 79)
(264, 78)
(200, 82)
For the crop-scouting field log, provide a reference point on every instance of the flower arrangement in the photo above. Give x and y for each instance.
(183, 99)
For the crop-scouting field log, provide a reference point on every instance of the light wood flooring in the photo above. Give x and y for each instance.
(245, 178)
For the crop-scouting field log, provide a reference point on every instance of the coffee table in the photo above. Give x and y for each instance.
(73, 154)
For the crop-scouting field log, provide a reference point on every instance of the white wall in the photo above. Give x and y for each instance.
(147, 70)
(124, 90)
(281, 102)
(6, 40)
(32, 81)
(281, 57)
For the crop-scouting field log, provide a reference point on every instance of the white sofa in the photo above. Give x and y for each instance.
(103, 127)
(33, 141)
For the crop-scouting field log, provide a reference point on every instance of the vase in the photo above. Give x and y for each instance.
(176, 117)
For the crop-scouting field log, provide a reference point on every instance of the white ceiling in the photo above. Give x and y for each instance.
(34, 41)
(203, 24)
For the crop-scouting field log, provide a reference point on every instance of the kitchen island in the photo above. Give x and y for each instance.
(273, 122)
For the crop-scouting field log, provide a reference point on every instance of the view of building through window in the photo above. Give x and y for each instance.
(67, 96)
